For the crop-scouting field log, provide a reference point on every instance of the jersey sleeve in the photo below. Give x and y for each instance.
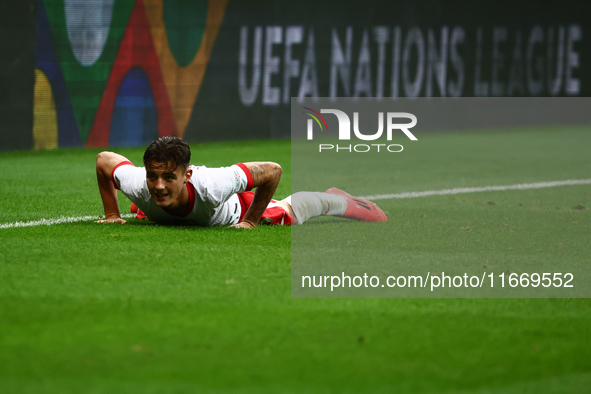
(246, 172)
(130, 180)
(217, 185)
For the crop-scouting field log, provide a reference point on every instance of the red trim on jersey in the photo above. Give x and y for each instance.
(113, 172)
(190, 204)
(273, 215)
(250, 181)
(245, 201)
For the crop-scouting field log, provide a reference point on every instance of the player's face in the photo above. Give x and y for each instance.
(165, 185)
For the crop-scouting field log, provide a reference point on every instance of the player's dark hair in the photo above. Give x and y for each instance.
(172, 151)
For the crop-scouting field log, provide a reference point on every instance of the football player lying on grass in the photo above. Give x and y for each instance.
(168, 190)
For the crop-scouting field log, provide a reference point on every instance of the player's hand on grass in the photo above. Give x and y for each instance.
(243, 224)
(112, 220)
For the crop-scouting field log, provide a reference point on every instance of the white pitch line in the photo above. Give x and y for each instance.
(461, 190)
(60, 220)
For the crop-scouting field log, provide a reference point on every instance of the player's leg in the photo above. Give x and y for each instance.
(286, 205)
(334, 202)
(306, 205)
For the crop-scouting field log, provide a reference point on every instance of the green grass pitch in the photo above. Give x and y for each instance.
(141, 308)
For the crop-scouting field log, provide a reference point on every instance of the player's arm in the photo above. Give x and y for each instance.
(265, 177)
(105, 163)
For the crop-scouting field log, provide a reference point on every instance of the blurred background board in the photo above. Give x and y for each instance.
(226, 70)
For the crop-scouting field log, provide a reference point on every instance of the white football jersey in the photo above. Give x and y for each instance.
(212, 194)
